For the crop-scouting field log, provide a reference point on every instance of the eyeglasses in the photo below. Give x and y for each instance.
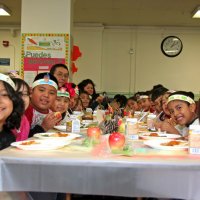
(61, 75)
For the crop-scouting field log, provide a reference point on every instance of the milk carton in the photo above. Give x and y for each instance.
(76, 125)
(194, 139)
(132, 129)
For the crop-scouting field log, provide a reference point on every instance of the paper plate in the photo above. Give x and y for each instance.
(57, 136)
(40, 144)
(164, 144)
(158, 135)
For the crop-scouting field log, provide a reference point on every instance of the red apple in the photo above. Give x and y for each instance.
(116, 141)
(94, 132)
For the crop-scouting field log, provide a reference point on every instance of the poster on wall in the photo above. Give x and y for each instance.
(41, 51)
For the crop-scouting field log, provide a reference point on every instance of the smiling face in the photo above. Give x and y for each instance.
(157, 104)
(42, 97)
(181, 112)
(79, 105)
(132, 105)
(85, 99)
(89, 89)
(61, 104)
(145, 104)
(73, 101)
(164, 103)
(6, 105)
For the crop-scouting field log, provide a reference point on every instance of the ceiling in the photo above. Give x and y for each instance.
(122, 12)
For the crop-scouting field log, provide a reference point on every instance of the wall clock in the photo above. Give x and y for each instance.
(171, 46)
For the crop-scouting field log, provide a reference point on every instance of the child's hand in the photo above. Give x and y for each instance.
(127, 108)
(171, 121)
(166, 126)
(99, 99)
(50, 121)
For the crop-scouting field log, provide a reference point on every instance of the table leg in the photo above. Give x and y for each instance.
(68, 196)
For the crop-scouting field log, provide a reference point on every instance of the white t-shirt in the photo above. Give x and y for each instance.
(184, 130)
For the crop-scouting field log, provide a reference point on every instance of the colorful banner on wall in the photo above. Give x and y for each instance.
(41, 51)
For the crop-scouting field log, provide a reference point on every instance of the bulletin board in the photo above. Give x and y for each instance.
(41, 51)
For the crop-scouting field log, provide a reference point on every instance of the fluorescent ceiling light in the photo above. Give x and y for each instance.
(4, 11)
(196, 13)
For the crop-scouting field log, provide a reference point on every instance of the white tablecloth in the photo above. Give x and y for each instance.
(148, 173)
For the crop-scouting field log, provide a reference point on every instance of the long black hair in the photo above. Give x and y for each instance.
(20, 83)
(85, 82)
(14, 119)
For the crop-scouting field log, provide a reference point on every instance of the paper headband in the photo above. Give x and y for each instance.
(8, 80)
(45, 81)
(63, 93)
(170, 91)
(143, 97)
(180, 97)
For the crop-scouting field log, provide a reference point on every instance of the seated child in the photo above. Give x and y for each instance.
(79, 105)
(85, 98)
(11, 110)
(43, 95)
(131, 106)
(145, 102)
(23, 90)
(156, 96)
(165, 115)
(182, 108)
(88, 86)
(121, 99)
(61, 104)
(74, 95)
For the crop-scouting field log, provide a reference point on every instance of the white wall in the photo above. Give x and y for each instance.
(123, 72)
(116, 61)
(90, 42)
(13, 51)
(106, 58)
(36, 18)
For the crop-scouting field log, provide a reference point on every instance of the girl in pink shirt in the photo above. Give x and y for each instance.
(23, 90)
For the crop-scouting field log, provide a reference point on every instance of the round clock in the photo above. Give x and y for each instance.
(171, 46)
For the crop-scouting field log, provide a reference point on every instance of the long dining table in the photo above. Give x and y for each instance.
(96, 171)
